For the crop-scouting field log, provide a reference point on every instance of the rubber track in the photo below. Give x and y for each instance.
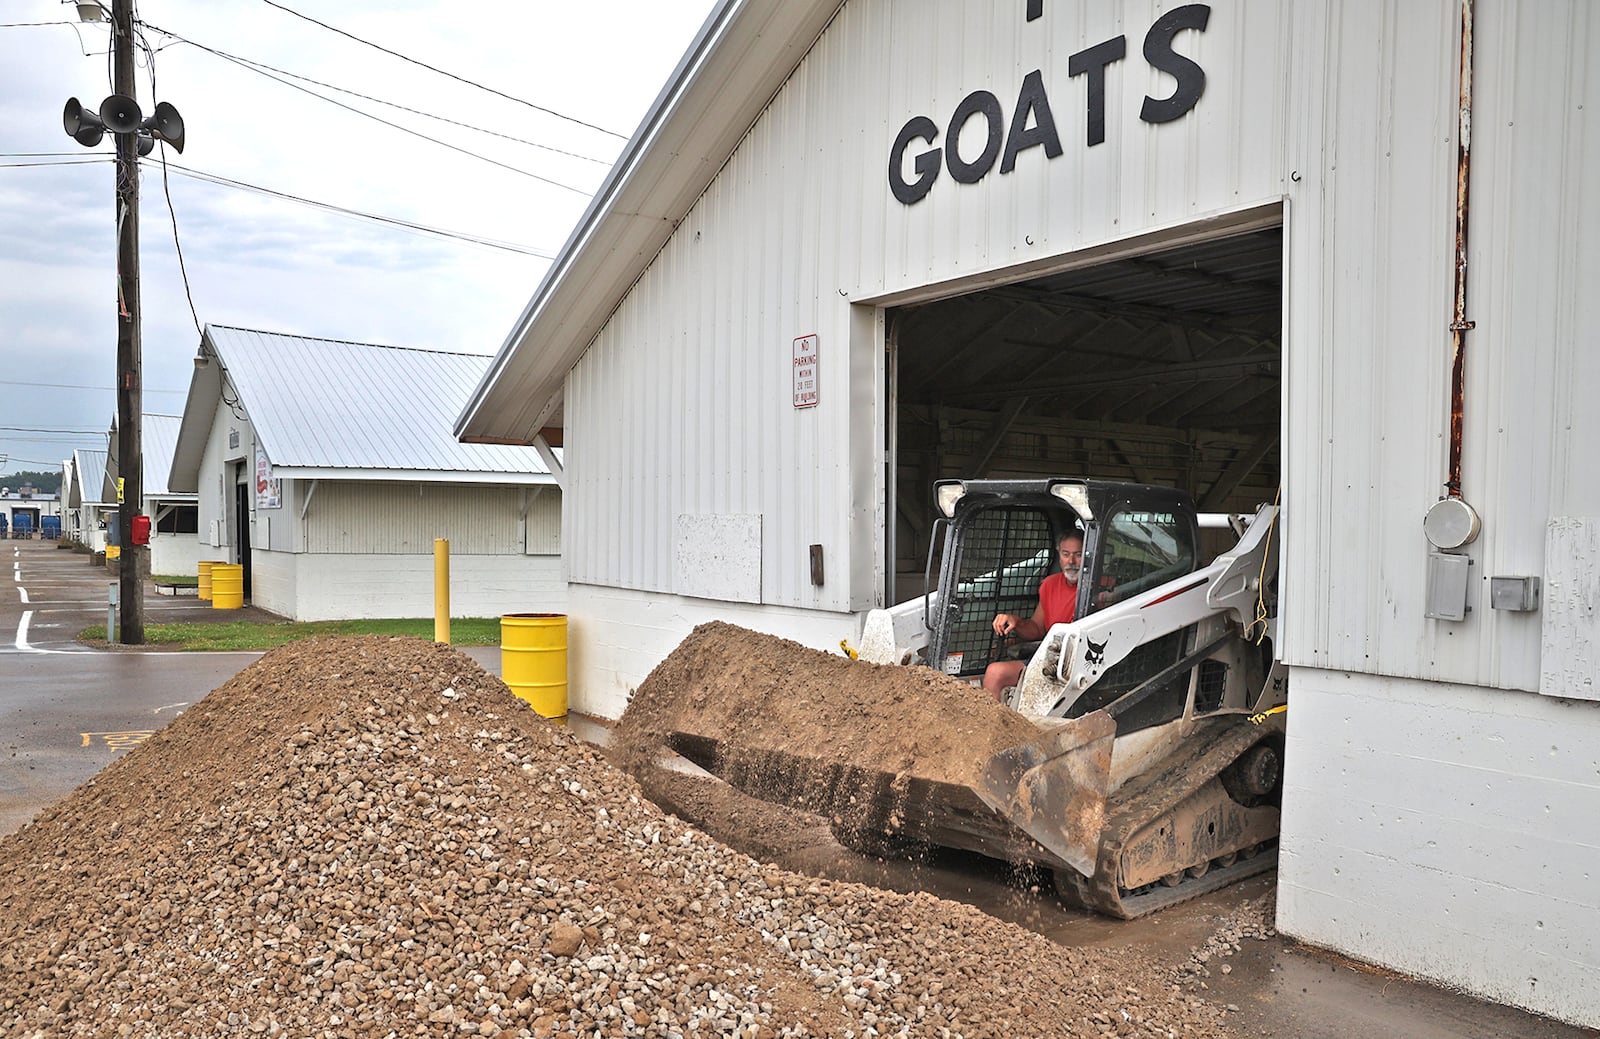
(1181, 776)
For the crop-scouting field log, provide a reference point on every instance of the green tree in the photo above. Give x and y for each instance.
(43, 482)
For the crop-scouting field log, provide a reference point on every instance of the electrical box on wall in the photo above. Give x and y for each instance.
(1518, 594)
(1449, 579)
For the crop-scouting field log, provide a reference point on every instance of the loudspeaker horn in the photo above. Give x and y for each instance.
(166, 124)
(120, 113)
(82, 125)
(146, 143)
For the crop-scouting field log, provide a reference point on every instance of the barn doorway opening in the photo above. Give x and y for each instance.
(1163, 367)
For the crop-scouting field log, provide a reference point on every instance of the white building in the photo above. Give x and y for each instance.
(85, 500)
(1210, 245)
(328, 469)
(22, 500)
(175, 546)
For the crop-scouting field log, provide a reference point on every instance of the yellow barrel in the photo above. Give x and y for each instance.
(533, 660)
(205, 576)
(227, 586)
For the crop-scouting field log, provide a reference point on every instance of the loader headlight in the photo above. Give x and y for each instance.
(1075, 495)
(946, 493)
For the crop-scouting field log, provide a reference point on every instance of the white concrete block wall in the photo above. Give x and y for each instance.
(616, 637)
(177, 554)
(274, 577)
(1447, 831)
(341, 586)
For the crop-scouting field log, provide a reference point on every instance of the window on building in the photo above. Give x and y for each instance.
(178, 519)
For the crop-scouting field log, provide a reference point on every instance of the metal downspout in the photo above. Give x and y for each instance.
(1459, 325)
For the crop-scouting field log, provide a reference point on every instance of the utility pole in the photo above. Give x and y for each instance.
(130, 388)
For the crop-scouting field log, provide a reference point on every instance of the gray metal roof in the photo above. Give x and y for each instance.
(159, 440)
(328, 408)
(89, 474)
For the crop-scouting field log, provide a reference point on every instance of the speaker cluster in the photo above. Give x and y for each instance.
(120, 114)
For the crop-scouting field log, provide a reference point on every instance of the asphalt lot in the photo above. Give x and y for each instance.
(66, 711)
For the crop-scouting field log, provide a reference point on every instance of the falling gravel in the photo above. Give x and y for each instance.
(372, 837)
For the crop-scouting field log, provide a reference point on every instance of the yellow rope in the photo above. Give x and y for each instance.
(1261, 580)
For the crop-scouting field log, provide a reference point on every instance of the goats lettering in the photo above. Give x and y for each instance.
(1033, 124)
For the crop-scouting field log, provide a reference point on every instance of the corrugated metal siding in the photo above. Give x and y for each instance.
(385, 518)
(682, 405)
(544, 524)
(1369, 349)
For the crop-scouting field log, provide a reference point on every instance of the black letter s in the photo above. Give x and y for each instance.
(1159, 53)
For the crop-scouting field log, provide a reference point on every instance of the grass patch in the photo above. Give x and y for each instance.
(186, 580)
(221, 635)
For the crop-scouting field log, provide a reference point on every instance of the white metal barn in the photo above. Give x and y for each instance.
(328, 469)
(84, 501)
(1208, 245)
(175, 546)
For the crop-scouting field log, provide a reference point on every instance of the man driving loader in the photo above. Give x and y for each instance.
(1058, 604)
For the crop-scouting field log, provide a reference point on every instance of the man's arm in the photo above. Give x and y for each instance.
(1028, 629)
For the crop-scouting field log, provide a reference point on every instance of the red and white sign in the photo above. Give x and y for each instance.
(805, 372)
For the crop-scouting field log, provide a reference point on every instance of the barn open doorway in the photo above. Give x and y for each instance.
(1161, 368)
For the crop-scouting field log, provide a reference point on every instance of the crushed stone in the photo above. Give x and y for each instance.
(372, 837)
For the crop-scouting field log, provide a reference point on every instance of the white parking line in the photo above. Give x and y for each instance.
(22, 592)
(22, 630)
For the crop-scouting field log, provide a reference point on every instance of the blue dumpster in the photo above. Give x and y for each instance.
(22, 525)
(50, 528)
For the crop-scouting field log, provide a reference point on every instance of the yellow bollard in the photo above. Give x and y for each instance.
(533, 660)
(441, 590)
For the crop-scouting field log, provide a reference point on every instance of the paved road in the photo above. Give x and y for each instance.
(66, 711)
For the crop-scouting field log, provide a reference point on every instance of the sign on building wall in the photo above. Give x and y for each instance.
(805, 371)
(268, 490)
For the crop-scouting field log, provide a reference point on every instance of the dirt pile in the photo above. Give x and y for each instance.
(371, 837)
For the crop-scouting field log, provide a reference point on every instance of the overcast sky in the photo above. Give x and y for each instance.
(260, 262)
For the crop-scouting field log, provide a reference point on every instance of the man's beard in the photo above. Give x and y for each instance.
(1072, 574)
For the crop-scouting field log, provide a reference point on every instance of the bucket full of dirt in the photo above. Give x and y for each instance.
(877, 749)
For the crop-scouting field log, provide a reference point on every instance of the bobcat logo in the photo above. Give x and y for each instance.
(1096, 651)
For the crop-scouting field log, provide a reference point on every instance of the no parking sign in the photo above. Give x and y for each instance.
(805, 371)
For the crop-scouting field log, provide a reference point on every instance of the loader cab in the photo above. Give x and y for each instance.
(1000, 542)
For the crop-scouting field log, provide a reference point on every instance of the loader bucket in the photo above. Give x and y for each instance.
(1054, 788)
(875, 749)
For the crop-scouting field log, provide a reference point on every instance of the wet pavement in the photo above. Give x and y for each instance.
(67, 711)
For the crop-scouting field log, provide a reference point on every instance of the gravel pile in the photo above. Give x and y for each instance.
(372, 837)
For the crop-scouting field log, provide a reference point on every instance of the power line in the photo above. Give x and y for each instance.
(442, 72)
(53, 162)
(39, 429)
(75, 386)
(213, 178)
(177, 245)
(228, 182)
(261, 67)
(418, 133)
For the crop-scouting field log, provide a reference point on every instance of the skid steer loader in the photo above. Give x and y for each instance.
(1159, 711)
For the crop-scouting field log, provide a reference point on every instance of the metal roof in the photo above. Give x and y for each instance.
(159, 440)
(88, 471)
(325, 408)
(741, 58)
